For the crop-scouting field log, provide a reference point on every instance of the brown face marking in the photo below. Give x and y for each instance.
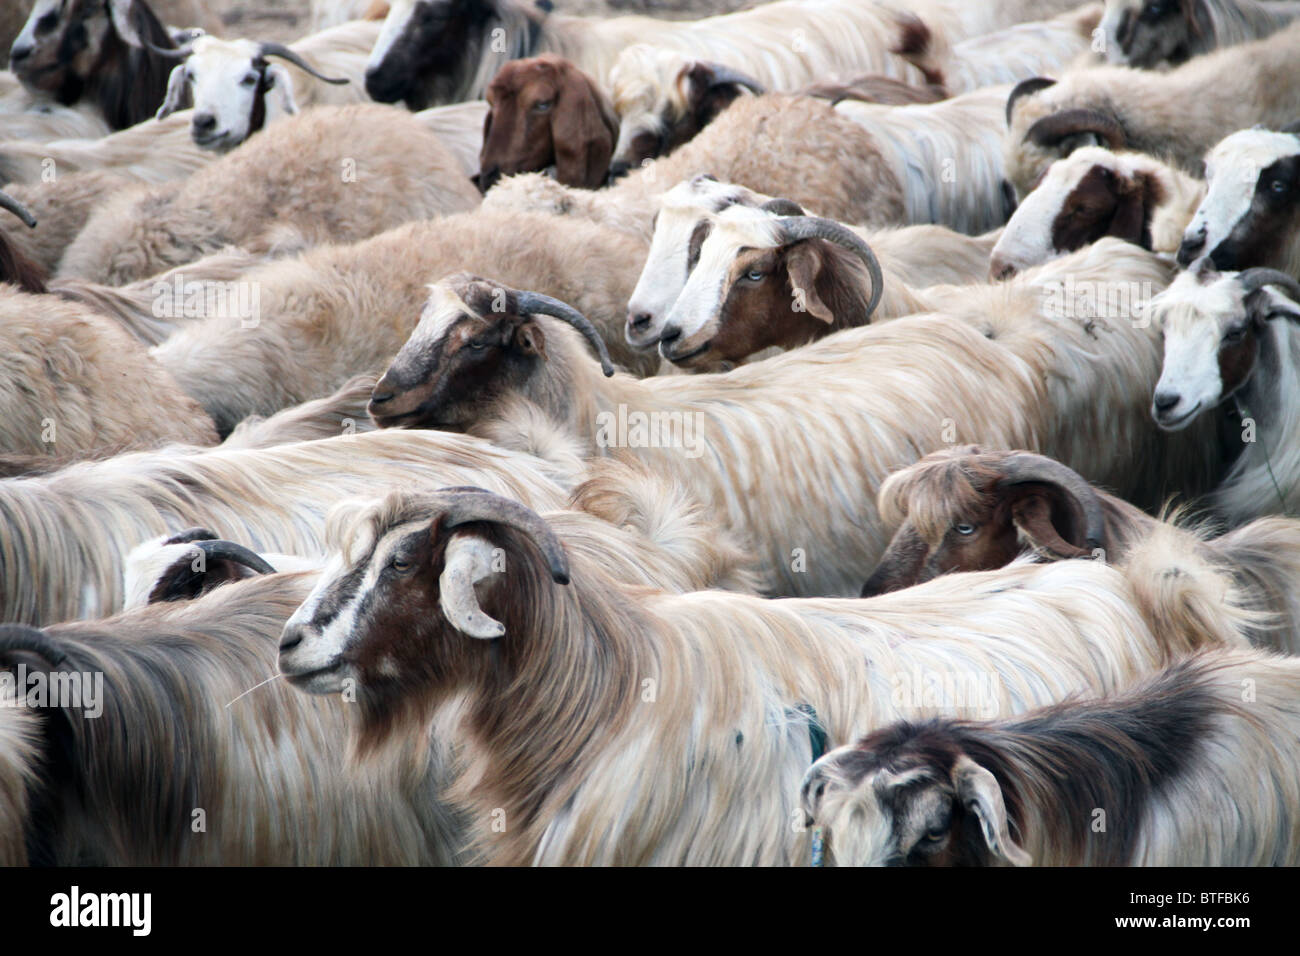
(1237, 358)
(1100, 205)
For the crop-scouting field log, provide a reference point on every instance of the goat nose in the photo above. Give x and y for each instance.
(380, 398)
(1164, 401)
(487, 178)
(1190, 247)
(639, 321)
(670, 334)
(204, 122)
(1000, 268)
(292, 637)
(619, 169)
(19, 53)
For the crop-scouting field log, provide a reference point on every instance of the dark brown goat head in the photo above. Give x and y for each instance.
(964, 509)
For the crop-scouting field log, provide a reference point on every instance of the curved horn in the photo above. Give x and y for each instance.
(1023, 467)
(1050, 130)
(1027, 88)
(781, 206)
(1252, 280)
(795, 228)
(538, 304)
(468, 560)
(17, 208)
(230, 551)
(720, 73)
(467, 505)
(175, 53)
(284, 53)
(20, 637)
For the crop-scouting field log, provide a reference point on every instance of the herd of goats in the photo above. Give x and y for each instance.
(832, 433)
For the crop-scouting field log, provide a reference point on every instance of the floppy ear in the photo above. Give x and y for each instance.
(530, 339)
(584, 131)
(803, 261)
(1032, 514)
(279, 86)
(177, 87)
(710, 89)
(1136, 200)
(1269, 303)
(979, 793)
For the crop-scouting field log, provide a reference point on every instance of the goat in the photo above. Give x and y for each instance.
(1188, 768)
(1023, 364)
(176, 763)
(75, 385)
(965, 509)
(441, 51)
(340, 311)
(236, 90)
(15, 266)
(923, 255)
(1153, 33)
(1250, 214)
(1124, 108)
(767, 143)
(1225, 358)
(78, 523)
(1094, 193)
(295, 173)
(453, 595)
(101, 51)
(546, 112)
(145, 153)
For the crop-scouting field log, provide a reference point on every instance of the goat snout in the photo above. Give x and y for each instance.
(1164, 401)
(19, 53)
(292, 637)
(487, 178)
(1000, 269)
(670, 334)
(1192, 246)
(204, 122)
(618, 169)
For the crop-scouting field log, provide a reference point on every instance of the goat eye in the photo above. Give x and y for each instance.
(249, 80)
(753, 275)
(476, 346)
(935, 836)
(1278, 186)
(400, 565)
(543, 106)
(1235, 335)
(964, 529)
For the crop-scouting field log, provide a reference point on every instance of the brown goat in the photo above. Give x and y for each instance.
(546, 112)
(964, 509)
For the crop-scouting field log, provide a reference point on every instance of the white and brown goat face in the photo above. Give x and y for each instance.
(1212, 330)
(63, 40)
(419, 588)
(1148, 33)
(1090, 194)
(234, 89)
(1250, 215)
(685, 218)
(903, 797)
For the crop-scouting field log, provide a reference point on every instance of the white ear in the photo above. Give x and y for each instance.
(119, 12)
(175, 93)
(280, 87)
(468, 561)
(979, 793)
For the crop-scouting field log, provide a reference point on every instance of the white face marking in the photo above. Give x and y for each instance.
(1110, 21)
(27, 39)
(698, 308)
(399, 15)
(1026, 239)
(441, 311)
(860, 831)
(322, 649)
(1232, 170)
(223, 83)
(1194, 318)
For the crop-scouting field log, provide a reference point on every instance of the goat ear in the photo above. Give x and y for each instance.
(706, 97)
(176, 90)
(1136, 200)
(979, 793)
(803, 261)
(1269, 303)
(530, 340)
(279, 85)
(1032, 514)
(119, 12)
(584, 130)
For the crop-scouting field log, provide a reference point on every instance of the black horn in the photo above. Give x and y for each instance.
(1027, 88)
(230, 551)
(1252, 280)
(467, 505)
(284, 53)
(538, 304)
(1023, 467)
(17, 208)
(20, 637)
(796, 228)
(1050, 130)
